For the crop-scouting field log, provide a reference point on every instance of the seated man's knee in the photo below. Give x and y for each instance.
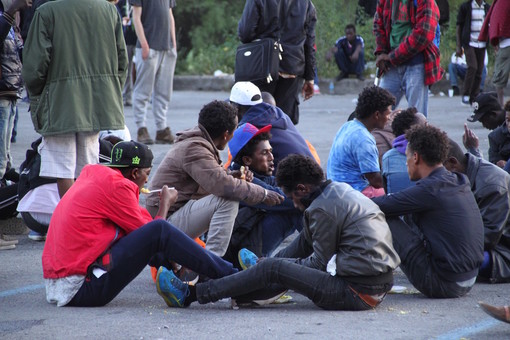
(228, 205)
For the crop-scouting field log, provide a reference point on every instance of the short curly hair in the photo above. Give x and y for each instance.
(507, 106)
(403, 121)
(372, 99)
(218, 117)
(298, 169)
(454, 150)
(429, 142)
(249, 148)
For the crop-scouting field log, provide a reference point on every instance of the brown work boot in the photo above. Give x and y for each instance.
(500, 313)
(144, 137)
(164, 136)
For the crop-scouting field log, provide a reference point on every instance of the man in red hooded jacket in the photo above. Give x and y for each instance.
(100, 238)
(496, 28)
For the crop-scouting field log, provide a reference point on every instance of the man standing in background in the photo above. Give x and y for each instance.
(295, 29)
(496, 29)
(469, 22)
(407, 57)
(156, 55)
(75, 90)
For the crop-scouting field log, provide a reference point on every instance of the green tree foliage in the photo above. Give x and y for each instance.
(207, 33)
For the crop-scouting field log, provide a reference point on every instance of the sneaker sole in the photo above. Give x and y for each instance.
(270, 300)
(12, 246)
(168, 299)
(253, 303)
(37, 238)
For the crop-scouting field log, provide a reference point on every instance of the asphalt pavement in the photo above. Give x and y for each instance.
(139, 313)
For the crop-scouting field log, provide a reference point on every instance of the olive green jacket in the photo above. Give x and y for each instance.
(74, 67)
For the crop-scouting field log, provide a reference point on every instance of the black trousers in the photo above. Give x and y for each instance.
(417, 263)
(155, 243)
(286, 93)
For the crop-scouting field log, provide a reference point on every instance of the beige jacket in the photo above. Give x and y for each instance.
(193, 167)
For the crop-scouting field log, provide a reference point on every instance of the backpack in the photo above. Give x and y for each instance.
(29, 171)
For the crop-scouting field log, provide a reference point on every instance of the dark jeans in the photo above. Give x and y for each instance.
(265, 236)
(155, 243)
(475, 58)
(278, 274)
(417, 263)
(345, 64)
(286, 93)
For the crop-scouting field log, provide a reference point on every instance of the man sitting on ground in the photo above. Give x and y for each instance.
(208, 195)
(285, 139)
(490, 185)
(440, 238)
(260, 228)
(487, 111)
(342, 260)
(354, 158)
(349, 52)
(499, 141)
(100, 238)
(394, 169)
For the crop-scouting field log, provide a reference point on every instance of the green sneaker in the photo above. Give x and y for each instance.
(171, 289)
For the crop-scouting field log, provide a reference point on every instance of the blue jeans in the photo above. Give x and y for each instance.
(156, 243)
(459, 71)
(408, 80)
(8, 111)
(394, 171)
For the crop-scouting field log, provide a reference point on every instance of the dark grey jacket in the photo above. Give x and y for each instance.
(343, 222)
(295, 27)
(10, 63)
(491, 187)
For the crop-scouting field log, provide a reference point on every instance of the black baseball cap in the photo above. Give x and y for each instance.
(130, 155)
(486, 102)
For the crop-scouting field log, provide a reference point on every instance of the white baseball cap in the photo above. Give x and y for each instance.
(245, 93)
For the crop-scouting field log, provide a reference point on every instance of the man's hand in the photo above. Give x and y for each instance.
(307, 91)
(167, 198)
(382, 62)
(459, 52)
(501, 163)
(145, 51)
(354, 57)
(273, 198)
(469, 139)
(330, 53)
(243, 173)
(16, 5)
